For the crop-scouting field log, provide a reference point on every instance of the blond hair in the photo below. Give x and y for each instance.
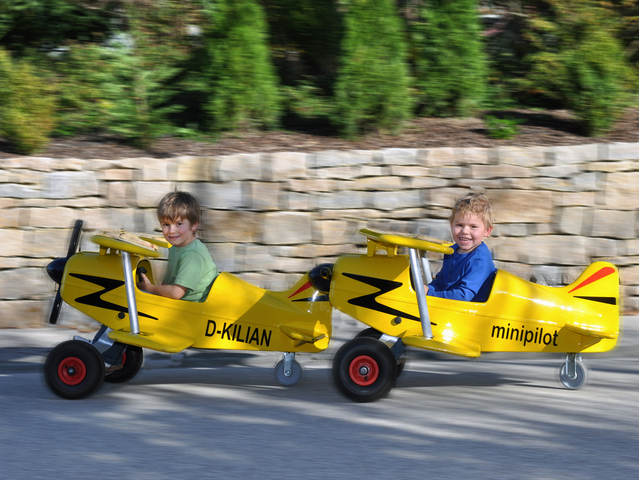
(474, 204)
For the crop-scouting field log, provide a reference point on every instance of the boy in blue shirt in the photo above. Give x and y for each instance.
(190, 269)
(468, 273)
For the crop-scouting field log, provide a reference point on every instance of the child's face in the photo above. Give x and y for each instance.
(468, 232)
(178, 232)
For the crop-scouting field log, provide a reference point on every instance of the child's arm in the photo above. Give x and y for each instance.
(175, 292)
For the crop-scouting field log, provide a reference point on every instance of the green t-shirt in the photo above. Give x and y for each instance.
(193, 268)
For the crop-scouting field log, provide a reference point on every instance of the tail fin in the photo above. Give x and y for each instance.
(598, 285)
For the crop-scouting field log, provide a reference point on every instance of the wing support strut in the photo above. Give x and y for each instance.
(130, 292)
(418, 280)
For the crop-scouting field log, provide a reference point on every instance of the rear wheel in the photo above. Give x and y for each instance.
(74, 369)
(581, 376)
(293, 377)
(132, 359)
(364, 369)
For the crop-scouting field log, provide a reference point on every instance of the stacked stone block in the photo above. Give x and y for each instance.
(270, 217)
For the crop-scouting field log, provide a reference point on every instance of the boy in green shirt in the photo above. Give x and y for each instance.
(190, 270)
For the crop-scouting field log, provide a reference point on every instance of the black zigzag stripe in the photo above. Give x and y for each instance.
(95, 299)
(370, 301)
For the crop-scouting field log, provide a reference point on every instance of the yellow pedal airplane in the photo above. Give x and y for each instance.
(235, 316)
(385, 290)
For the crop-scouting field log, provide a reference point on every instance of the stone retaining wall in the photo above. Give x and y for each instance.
(270, 217)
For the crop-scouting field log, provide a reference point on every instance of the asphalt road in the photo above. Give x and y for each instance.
(221, 415)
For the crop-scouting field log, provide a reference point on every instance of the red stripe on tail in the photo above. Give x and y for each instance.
(301, 289)
(604, 272)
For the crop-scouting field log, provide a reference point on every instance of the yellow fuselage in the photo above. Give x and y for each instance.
(519, 316)
(235, 316)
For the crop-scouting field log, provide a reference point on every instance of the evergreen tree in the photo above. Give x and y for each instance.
(449, 59)
(372, 88)
(243, 87)
(579, 62)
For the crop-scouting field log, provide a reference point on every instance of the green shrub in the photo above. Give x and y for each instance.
(450, 63)
(580, 63)
(502, 128)
(307, 100)
(138, 97)
(242, 86)
(146, 60)
(372, 88)
(27, 106)
(84, 76)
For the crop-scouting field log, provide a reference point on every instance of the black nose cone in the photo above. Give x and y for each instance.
(55, 269)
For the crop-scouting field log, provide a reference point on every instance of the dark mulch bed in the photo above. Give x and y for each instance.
(540, 128)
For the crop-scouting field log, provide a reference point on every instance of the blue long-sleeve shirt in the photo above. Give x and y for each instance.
(465, 276)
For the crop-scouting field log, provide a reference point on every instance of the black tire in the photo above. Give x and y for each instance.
(376, 334)
(369, 332)
(74, 369)
(364, 369)
(133, 357)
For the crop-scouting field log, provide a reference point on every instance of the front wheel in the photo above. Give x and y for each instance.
(132, 359)
(74, 369)
(376, 334)
(581, 375)
(364, 369)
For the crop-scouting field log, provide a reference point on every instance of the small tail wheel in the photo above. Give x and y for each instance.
(293, 377)
(74, 369)
(132, 359)
(580, 377)
(364, 369)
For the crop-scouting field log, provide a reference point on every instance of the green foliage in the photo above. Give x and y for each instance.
(502, 128)
(84, 77)
(580, 63)
(450, 63)
(305, 40)
(27, 106)
(372, 89)
(498, 97)
(627, 13)
(307, 101)
(138, 110)
(242, 85)
(47, 24)
(144, 61)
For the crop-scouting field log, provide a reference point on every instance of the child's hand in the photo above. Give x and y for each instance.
(145, 283)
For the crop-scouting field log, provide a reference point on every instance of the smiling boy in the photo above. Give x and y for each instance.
(468, 272)
(190, 269)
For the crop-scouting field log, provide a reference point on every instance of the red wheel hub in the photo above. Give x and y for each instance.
(364, 370)
(72, 371)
